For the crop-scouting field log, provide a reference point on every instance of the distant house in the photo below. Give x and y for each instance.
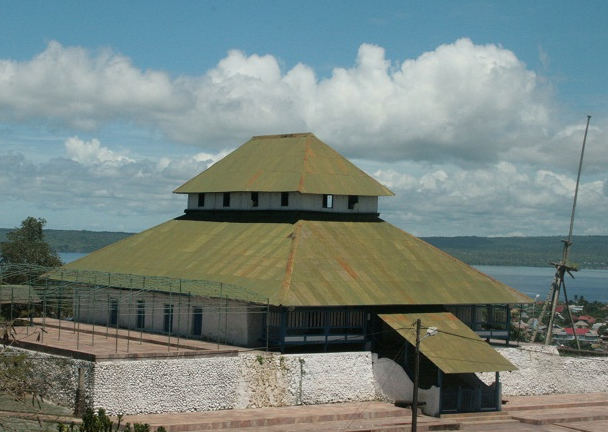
(281, 246)
(587, 319)
(581, 324)
(575, 308)
(584, 335)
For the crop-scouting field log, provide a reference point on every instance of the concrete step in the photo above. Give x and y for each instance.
(489, 418)
(476, 415)
(487, 424)
(525, 403)
(370, 416)
(556, 405)
(561, 415)
(374, 425)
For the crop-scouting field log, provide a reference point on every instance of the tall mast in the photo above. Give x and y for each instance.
(562, 267)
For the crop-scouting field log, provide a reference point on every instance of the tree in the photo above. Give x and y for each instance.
(26, 245)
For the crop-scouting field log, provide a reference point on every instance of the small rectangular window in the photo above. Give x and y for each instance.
(254, 199)
(353, 202)
(201, 200)
(113, 312)
(284, 199)
(328, 201)
(226, 201)
(197, 321)
(141, 314)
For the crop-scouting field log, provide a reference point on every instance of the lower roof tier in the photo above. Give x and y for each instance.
(302, 262)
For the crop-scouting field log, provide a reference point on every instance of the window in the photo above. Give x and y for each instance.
(141, 314)
(328, 201)
(284, 199)
(353, 202)
(254, 199)
(201, 200)
(168, 324)
(226, 199)
(113, 312)
(197, 321)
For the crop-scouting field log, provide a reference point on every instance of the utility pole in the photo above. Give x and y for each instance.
(416, 374)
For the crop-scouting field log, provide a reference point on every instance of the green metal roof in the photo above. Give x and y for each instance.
(455, 348)
(307, 263)
(285, 163)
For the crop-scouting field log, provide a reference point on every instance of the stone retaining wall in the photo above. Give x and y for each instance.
(57, 377)
(541, 370)
(184, 384)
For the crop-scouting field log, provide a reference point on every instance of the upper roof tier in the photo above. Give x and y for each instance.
(285, 163)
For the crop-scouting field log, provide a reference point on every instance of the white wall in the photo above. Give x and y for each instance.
(394, 385)
(541, 370)
(236, 323)
(57, 377)
(183, 384)
(272, 201)
(269, 379)
(246, 381)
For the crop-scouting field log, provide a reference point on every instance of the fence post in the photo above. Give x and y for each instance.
(80, 394)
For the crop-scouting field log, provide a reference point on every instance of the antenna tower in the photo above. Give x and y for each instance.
(562, 267)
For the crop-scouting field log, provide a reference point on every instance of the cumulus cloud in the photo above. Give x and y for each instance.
(93, 178)
(500, 199)
(467, 136)
(90, 152)
(467, 103)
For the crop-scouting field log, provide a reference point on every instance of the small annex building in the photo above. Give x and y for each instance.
(281, 246)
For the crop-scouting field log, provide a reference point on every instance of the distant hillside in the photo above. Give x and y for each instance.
(77, 241)
(588, 251)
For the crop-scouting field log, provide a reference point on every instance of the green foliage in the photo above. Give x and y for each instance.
(519, 334)
(100, 422)
(16, 378)
(584, 345)
(27, 245)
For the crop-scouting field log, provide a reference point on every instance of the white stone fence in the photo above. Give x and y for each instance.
(541, 370)
(183, 384)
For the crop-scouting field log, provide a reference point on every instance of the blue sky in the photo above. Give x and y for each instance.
(472, 112)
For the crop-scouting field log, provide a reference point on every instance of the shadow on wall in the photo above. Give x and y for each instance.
(395, 385)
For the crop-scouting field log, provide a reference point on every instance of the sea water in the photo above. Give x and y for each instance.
(533, 281)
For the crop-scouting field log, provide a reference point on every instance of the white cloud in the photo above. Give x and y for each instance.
(118, 191)
(90, 152)
(461, 102)
(497, 200)
(466, 135)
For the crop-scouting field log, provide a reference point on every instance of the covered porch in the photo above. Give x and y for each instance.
(450, 355)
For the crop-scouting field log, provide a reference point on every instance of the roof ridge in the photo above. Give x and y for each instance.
(289, 135)
(291, 261)
(305, 161)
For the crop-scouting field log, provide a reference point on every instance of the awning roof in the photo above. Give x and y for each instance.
(455, 348)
